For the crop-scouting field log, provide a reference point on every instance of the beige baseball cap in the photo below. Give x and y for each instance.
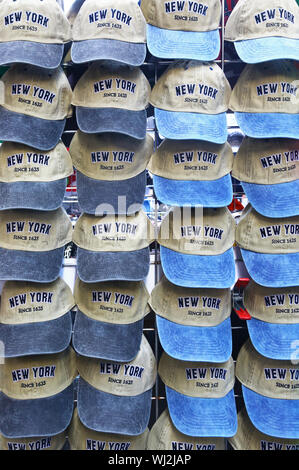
(270, 248)
(200, 396)
(34, 105)
(183, 30)
(33, 32)
(111, 171)
(82, 438)
(264, 31)
(39, 443)
(115, 397)
(112, 97)
(190, 100)
(109, 31)
(42, 176)
(269, 172)
(32, 244)
(164, 436)
(109, 321)
(265, 100)
(270, 391)
(196, 247)
(36, 395)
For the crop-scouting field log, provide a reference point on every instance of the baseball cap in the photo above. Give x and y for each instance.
(33, 32)
(35, 318)
(115, 30)
(196, 247)
(265, 100)
(113, 248)
(82, 438)
(37, 395)
(264, 31)
(269, 247)
(34, 105)
(109, 321)
(192, 172)
(41, 176)
(164, 436)
(32, 244)
(200, 396)
(115, 397)
(112, 97)
(190, 100)
(111, 171)
(183, 30)
(270, 391)
(269, 172)
(274, 323)
(250, 438)
(38, 443)
(193, 324)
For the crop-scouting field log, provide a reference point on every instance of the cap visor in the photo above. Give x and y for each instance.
(95, 266)
(180, 125)
(44, 196)
(265, 125)
(43, 55)
(38, 266)
(258, 50)
(167, 44)
(198, 271)
(269, 270)
(196, 343)
(33, 131)
(108, 49)
(47, 337)
(111, 197)
(107, 341)
(275, 341)
(272, 416)
(122, 121)
(36, 417)
(218, 193)
(274, 200)
(203, 417)
(104, 412)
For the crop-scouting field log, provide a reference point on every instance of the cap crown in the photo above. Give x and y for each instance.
(34, 443)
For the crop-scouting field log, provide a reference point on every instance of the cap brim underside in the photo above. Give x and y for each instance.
(267, 125)
(253, 51)
(108, 49)
(43, 55)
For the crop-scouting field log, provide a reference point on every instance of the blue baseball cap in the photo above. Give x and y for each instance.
(196, 247)
(269, 391)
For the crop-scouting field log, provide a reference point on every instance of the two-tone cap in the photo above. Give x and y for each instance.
(34, 105)
(183, 30)
(193, 324)
(269, 172)
(109, 321)
(196, 247)
(113, 30)
(33, 32)
(111, 172)
(265, 30)
(190, 100)
(269, 247)
(115, 397)
(32, 244)
(164, 436)
(112, 97)
(250, 438)
(193, 173)
(82, 438)
(113, 247)
(270, 391)
(33, 179)
(274, 323)
(265, 100)
(35, 318)
(34, 443)
(200, 396)
(37, 394)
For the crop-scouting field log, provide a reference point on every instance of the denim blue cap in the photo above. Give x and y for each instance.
(266, 125)
(257, 50)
